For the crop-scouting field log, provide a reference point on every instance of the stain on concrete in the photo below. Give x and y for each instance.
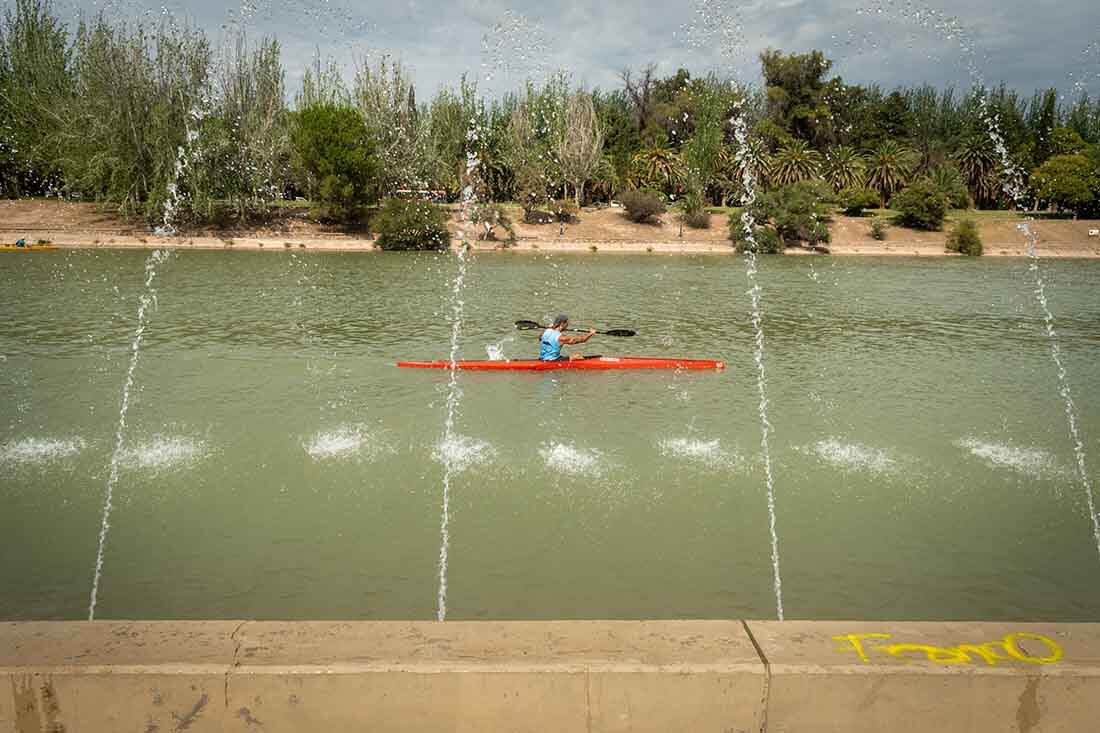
(1028, 713)
(36, 710)
(151, 726)
(50, 705)
(246, 715)
(872, 695)
(183, 722)
(26, 705)
(294, 700)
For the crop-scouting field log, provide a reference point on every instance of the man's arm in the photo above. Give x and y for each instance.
(567, 340)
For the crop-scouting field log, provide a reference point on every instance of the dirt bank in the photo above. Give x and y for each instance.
(68, 224)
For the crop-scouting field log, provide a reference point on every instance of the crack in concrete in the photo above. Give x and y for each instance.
(766, 701)
(236, 659)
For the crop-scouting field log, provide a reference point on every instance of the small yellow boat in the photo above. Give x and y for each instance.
(27, 246)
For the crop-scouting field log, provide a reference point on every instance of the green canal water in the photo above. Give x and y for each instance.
(276, 464)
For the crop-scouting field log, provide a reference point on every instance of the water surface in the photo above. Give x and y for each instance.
(277, 465)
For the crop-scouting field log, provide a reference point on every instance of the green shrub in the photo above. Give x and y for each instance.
(965, 239)
(798, 213)
(337, 159)
(921, 206)
(694, 212)
(951, 184)
(488, 217)
(767, 240)
(641, 206)
(410, 225)
(878, 228)
(697, 220)
(564, 211)
(855, 199)
(531, 195)
(537, 216)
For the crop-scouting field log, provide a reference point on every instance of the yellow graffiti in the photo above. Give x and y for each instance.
(993, 652)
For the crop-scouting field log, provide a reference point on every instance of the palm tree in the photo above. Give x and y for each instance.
(605, 181)
(796, 161)
(889, 168)
(844, 168)
(978, 164)
(950, 183)
(658, 167)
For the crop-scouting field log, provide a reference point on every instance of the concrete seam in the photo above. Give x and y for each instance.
(235, 662)
(766, 701)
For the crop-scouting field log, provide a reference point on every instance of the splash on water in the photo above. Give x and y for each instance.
(461, 453)
(574, 461)
(33, 451)
(709, 453)
(163, 453)
(744, 158)
(853, 456)
(495, 352)
(347, 442)
(1028, 461)
(148, 299)
(456, 452)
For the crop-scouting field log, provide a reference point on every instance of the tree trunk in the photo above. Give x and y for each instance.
(578, 190)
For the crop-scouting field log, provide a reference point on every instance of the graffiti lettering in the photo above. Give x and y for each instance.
(992, 653)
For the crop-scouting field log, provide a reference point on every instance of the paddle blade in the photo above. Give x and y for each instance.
(527, 325)
(619, 332)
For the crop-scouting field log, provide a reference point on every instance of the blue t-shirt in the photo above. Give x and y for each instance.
(549, 348)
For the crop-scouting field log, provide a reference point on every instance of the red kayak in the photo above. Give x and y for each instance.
(592, 362)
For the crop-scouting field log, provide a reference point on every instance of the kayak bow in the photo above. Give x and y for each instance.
(591, 363)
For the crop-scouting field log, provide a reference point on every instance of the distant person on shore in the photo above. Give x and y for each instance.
(21, 243)
(552, 340)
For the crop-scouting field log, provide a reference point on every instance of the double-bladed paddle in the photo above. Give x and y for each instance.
(532, 325)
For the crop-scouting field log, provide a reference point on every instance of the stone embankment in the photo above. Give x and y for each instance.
(723, 676)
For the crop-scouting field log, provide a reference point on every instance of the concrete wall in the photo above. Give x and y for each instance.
(684, 676)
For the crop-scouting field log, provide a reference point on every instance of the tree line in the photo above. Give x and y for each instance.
(118, 112)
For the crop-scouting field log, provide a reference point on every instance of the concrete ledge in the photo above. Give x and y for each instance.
(154, 677)
(901, 677)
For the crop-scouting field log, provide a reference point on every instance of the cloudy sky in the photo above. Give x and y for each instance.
(1023, 44)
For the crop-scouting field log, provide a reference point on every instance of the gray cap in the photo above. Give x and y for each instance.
(562, 318)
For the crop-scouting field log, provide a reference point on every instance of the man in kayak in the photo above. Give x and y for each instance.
(552, 340)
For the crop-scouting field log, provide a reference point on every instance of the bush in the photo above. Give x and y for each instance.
(411, 225)
(965, 239)
(531, 195)
(697, 220)
(768, 241)
(921, 206)
(490, 216)
(641, 206)
(564, 211)
(951, 184)
(854, 200)
(878, 228)
(335, 153)
(798, 213)
(694, 212)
